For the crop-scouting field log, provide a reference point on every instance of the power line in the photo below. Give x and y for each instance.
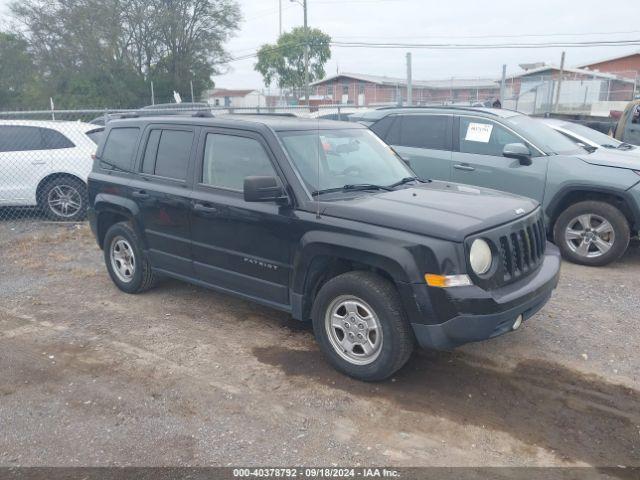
(458, 46)
(523, 35)
(477, 46)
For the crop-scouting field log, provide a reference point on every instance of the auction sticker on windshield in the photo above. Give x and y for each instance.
(479, 132)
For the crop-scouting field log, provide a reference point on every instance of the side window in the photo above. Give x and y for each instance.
(229, 159)
(174, 150)
(382, 127)
(18, 138)
(53, 140)
(426, 131)
(120, 147)
(484, 137)
(150, 152)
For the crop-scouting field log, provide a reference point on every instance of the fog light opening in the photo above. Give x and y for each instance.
(517, 323)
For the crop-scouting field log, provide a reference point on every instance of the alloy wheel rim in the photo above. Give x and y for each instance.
(589, 235)
(123, 259)
(64, 200)
(354, 331)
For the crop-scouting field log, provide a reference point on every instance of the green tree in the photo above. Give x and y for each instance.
(17, 70)
(283, 63)
(104, 53)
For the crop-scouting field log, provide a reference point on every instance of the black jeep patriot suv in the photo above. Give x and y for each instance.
(322, 220)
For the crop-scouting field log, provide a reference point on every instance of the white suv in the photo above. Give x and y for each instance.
(46, 164)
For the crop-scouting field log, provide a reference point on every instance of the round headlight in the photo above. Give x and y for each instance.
(480, 256)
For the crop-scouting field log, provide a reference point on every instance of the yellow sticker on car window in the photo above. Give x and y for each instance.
(479, 132)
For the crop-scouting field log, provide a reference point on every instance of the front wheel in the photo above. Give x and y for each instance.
(361, 327)
(592, 233)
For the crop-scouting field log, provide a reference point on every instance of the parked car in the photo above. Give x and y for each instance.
(591, 201)
(588, 138)
(322, 220)
(46, 164)
(628, 127)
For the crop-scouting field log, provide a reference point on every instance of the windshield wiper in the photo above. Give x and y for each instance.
(352, 187)
(114, 166)
(626, 146)
(407, 180)
(366, 186)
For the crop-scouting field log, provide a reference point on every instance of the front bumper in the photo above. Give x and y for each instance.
(479, 315)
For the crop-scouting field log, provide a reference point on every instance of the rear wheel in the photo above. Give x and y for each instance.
(592, 233)
(361, 327)
(64, 198)
(126, 261)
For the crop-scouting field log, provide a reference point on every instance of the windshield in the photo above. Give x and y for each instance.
(593, 135)
(344, 157)
(543, 136)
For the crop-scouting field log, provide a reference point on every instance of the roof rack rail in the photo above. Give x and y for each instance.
(203, 114)
(441, 107)
(268, 114)
(128, 115)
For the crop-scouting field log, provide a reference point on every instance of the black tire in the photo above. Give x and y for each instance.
(599, 210)
(74, 190)
(142, 277)
(397, 341)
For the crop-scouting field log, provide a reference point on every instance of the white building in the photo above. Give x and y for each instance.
(228, 98)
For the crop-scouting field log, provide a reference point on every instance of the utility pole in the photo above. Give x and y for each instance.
(191, 85)
(409, 81)
(559, 82)
(503, 85)
(153, 96)
(280, 17)
(306, 52)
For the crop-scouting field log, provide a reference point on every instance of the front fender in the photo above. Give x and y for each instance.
(394, 259)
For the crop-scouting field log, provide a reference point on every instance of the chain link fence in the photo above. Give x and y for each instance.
(46, 156)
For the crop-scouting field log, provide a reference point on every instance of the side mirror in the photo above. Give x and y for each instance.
(264, 189)
(519, 151)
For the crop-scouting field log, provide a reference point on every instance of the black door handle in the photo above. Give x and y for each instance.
(139, 194)
(465, 167)
(201, 207)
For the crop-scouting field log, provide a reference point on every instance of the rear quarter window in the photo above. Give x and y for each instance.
(120, 148)
(53, 140)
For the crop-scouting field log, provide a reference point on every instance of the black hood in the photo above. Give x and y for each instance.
(449, 211)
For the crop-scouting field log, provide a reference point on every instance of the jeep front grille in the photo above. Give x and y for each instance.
(523, 250)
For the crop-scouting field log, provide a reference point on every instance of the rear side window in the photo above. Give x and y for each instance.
(228, 160)
(120, 147)
(21, 138)
(174, 150)
(16, 138)
(426, 131)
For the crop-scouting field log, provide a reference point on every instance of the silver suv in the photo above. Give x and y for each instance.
(591, 200)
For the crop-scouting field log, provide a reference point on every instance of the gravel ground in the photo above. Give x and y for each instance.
(183, 376)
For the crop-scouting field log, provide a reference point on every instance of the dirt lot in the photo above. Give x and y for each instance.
(184, 376)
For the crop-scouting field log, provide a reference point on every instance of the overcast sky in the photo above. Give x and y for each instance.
(422, 21)
(436, 21)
